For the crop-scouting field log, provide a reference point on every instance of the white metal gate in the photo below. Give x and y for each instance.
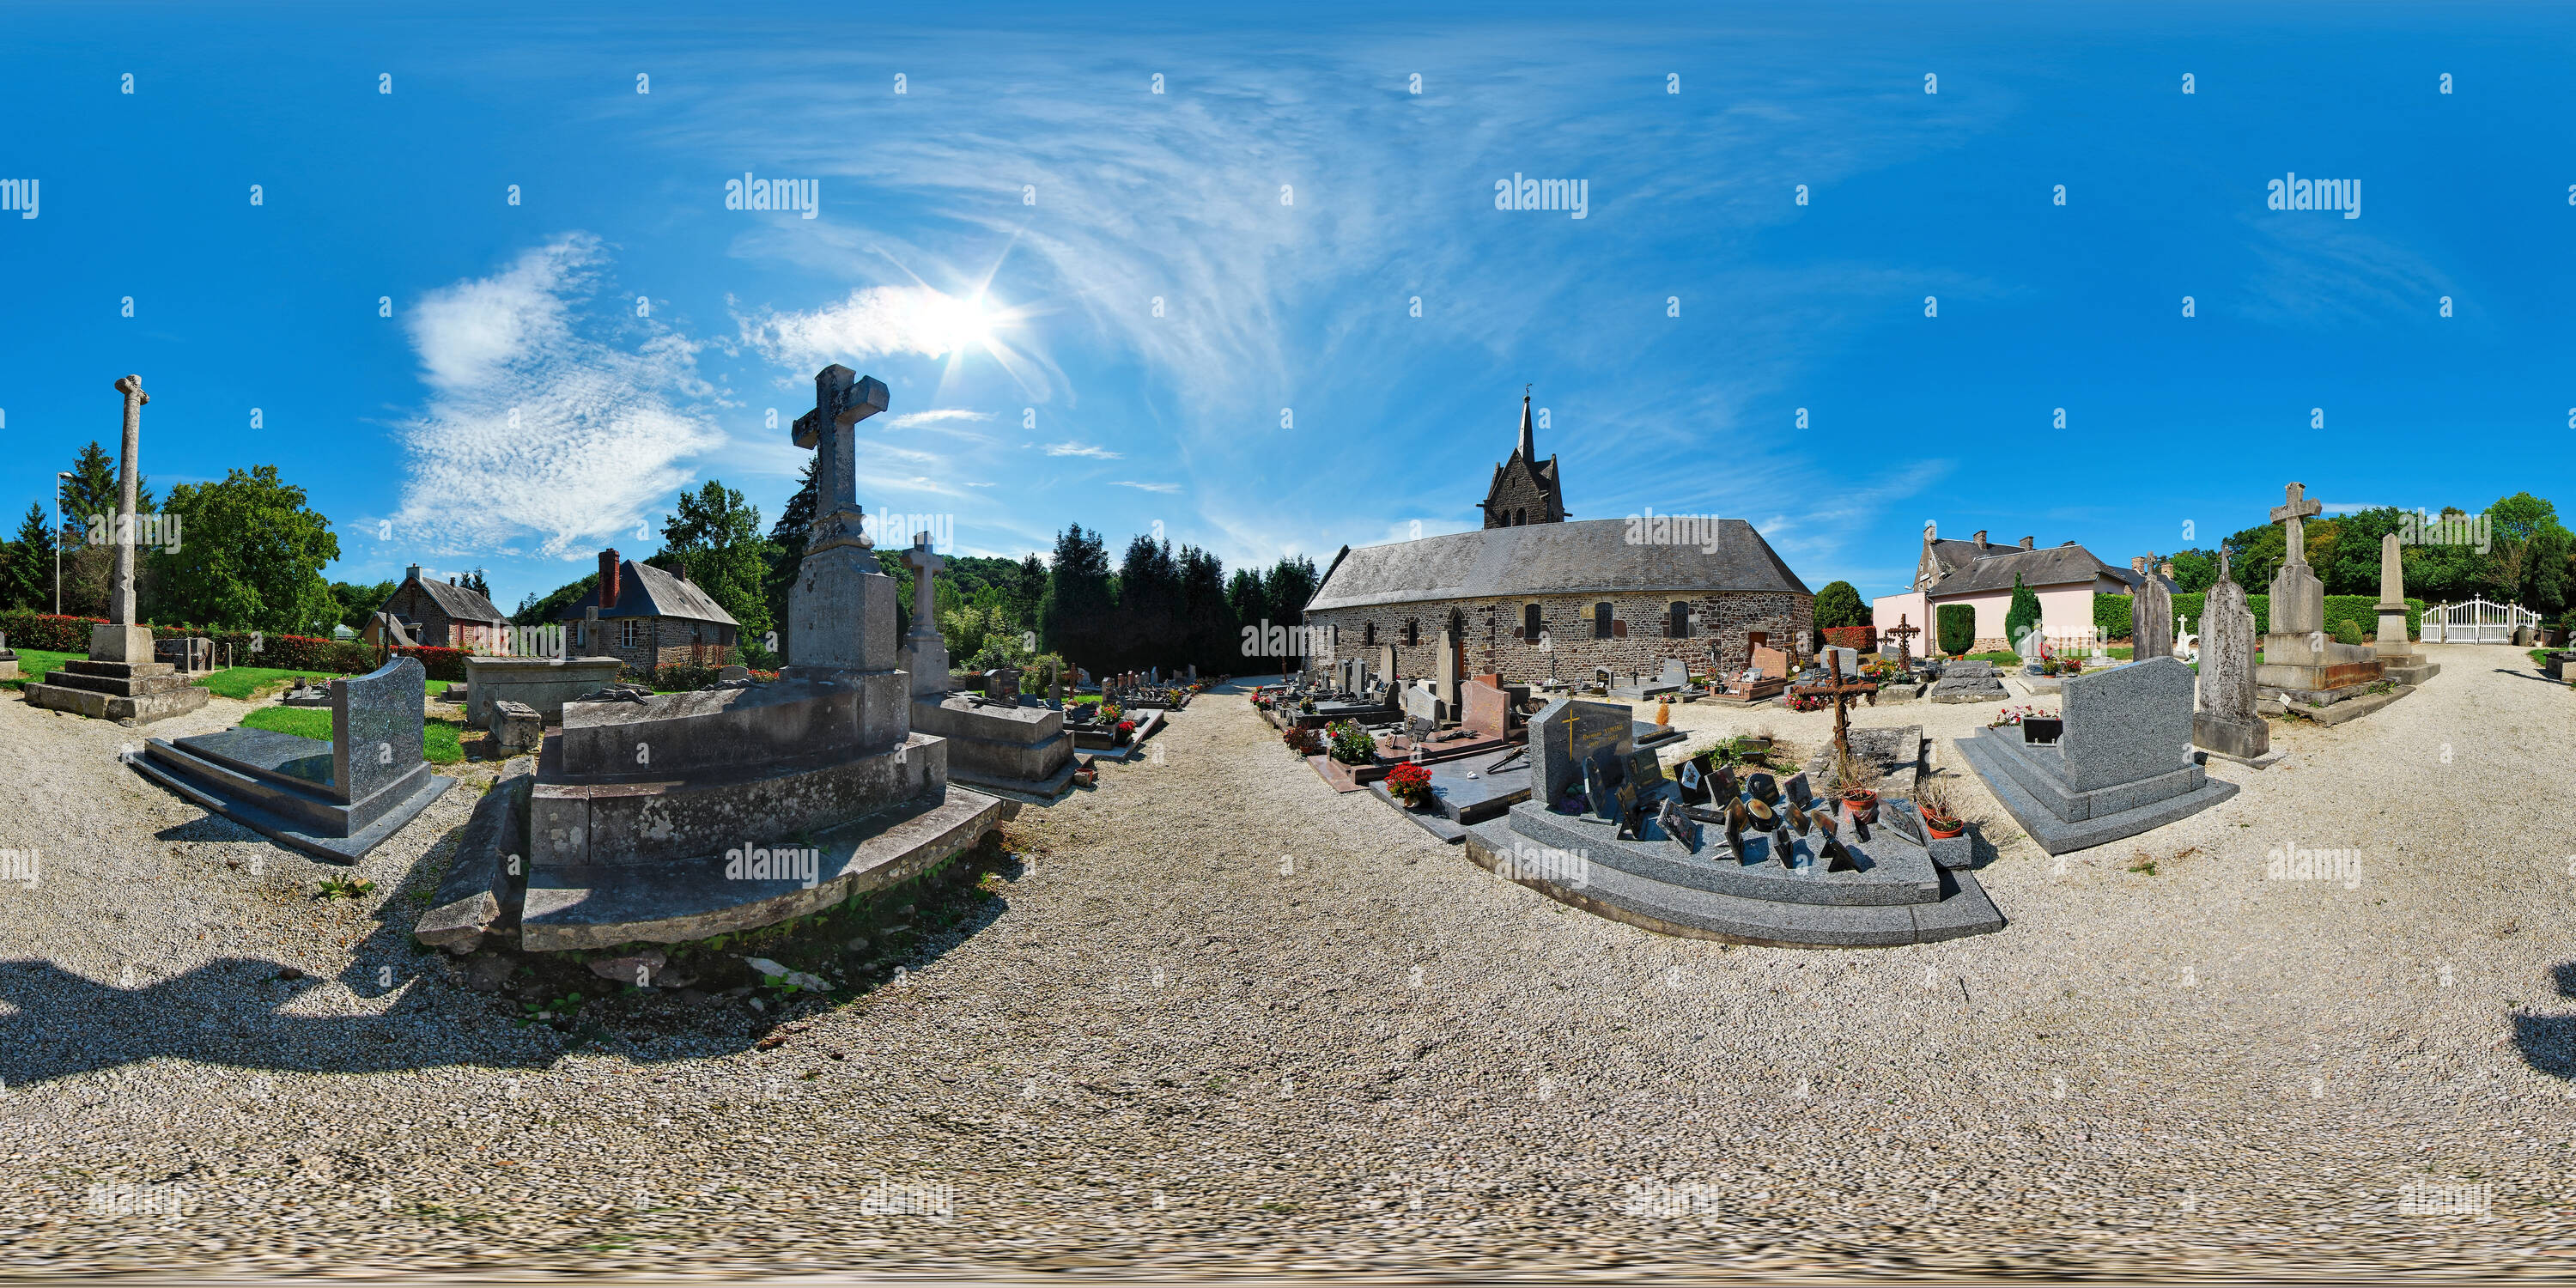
(2476, 622)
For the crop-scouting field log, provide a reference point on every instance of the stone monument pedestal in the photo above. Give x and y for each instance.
(2246, 740)
(119, 681)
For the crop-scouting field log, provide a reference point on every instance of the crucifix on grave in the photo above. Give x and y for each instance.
(1903, 632)
(1842, 690)
(925, 651)
(2292, 515)
(840, 610)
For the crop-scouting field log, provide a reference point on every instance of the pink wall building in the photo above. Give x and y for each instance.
(1977, 573)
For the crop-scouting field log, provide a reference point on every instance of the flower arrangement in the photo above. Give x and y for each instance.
(1110, 712)
(2015, 715)
(1261, 701)
(2072, 665)
(1798, 703)
(1126, 730)
(1352, 744)
(1410, 784)
(1304, 741)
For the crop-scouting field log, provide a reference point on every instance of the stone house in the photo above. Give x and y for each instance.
(1980, 574)
(442, 614)
(650, 618)
(1619, 593)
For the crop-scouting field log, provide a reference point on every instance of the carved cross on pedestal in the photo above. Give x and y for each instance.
(1842, 691)
(1903, 633)
(120, 598)
(842, 398)
(2296, 508)
(925, 564)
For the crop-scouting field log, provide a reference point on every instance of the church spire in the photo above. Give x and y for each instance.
(1529, 441)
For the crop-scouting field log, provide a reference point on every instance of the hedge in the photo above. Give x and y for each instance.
(1860, 638)
(2111, 614)
(284, 652)
(1958, 627)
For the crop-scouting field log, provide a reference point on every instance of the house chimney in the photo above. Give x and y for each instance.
(413, 574)
(2029, 542)
(680, 569)
(2165, 570)
(1980, 538)
(2138, 565)
(608, 579)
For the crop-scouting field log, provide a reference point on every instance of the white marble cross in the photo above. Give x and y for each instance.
(925, 564)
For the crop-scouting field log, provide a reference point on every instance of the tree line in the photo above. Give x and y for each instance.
(2529, 559)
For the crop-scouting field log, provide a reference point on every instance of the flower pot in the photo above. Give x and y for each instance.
(1861, 804)
(1943, 828)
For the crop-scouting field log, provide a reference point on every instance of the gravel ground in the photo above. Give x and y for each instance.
(1226, 1021)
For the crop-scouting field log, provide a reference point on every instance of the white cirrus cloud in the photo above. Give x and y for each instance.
(537, 424)
(1146, 487)
(1092, 450)
(935, 417)
(873, 321)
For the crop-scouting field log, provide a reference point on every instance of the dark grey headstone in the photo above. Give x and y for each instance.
(1568, 732)
(2127, 723)
(376, 728)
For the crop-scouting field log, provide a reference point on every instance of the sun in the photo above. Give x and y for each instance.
(959, 323)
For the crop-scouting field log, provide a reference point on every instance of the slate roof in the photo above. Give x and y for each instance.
(1590, 556)
(1970, 570)
(461, 604)
(647, 591)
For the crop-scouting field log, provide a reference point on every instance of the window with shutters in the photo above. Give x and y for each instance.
(1531, 626)
(1681, 627)
(1601, 620)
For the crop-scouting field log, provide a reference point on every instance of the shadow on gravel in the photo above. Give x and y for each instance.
(2548, 1042)
(2531, 675)
(472, 1010)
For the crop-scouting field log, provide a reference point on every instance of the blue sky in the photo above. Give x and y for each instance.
(1286, 399)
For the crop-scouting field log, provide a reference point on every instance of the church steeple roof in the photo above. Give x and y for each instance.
(1525, 488)
(1529, 440)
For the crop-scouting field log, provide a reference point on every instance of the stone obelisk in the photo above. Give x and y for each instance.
(120, 639)
(2396, 652)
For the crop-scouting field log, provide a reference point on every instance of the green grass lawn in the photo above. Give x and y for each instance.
(441, 740)
(241, 683)
(33, 663)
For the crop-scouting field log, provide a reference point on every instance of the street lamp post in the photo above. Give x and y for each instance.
(59, 477)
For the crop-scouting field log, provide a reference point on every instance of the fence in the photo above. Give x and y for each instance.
(2476, 622)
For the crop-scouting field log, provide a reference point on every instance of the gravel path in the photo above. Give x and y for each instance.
(1228, 1021)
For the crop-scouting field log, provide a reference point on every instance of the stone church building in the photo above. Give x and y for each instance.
(1621, 593)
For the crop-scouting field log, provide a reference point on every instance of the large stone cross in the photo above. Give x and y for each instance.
(842, 398)
(925, 564)
(2291, 515)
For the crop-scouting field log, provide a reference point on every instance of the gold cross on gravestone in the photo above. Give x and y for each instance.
(2296, 508)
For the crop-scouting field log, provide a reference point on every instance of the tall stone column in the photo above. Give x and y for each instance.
(2151, 616)
(120, 639)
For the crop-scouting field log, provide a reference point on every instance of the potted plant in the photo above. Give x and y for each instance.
(1852, 783)
(1304, 741)
(1352, 744)
(1126, 732)
(1410, 784)
(1940, 815)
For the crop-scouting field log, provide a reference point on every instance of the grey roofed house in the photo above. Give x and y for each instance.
(1591, 556)
(1950, 567)
(646, 591)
